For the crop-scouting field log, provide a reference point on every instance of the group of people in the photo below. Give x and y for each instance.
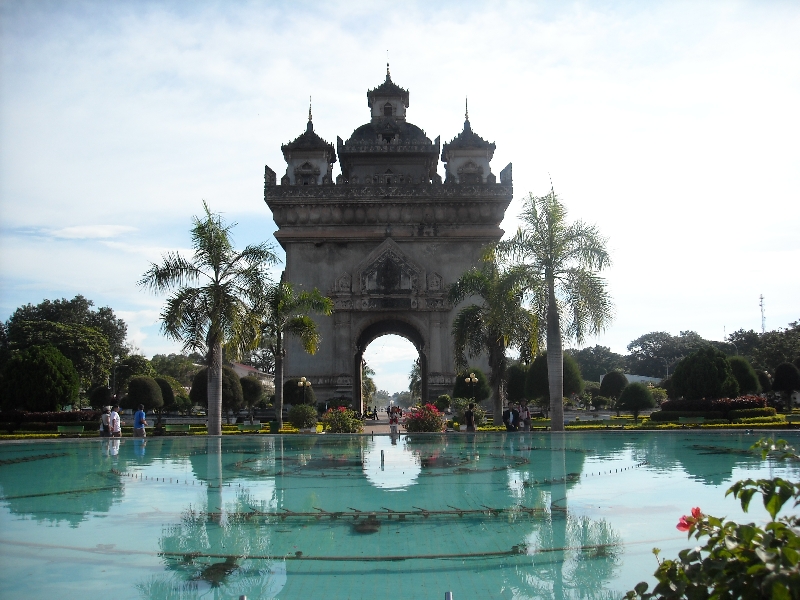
(517, 417)
(111, 424)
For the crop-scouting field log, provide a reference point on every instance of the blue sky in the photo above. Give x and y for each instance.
(671, 125)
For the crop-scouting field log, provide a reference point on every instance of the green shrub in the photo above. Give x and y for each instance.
(537, 383)
(664, 416)
(634, 398)
(744, 374)
(757, 420)
(342, 420)
(39, 378)
(600, 401)
(612, 384)
(338, 401)
(143, 390)
(442, 402)
(426, 419)
(515, 382)
(705, 373)
(232, 397)
(748, 413)
(303, 416)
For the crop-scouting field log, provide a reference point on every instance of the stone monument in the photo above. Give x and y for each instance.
(384, 239)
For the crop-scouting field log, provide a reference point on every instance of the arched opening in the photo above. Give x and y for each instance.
(374, 331)
(387, 109)
(391, 357)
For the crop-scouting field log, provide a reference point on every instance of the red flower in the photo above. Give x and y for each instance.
(696, 513)
(683, 524)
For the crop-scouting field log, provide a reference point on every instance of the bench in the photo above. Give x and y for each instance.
(613, 423)
(67, 429)
(540, 424)
(255, 427)
(793, 418)
(684, 421)
(177, 428)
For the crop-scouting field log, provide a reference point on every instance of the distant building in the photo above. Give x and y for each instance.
(267, 380)
(639, 379)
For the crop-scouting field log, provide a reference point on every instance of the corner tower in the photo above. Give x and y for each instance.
(386, 239)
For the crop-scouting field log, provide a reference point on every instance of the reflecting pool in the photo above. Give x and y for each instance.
(525, 515)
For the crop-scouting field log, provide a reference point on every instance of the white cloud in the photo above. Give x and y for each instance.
(670, 125)
(84, 232)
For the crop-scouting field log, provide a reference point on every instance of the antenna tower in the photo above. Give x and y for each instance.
(763, 318)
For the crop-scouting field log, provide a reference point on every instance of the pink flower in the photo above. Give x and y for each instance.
(683, 524)
(696, 513)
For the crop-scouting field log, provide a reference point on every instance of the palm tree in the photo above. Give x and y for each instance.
(500, 321)
(212, 307)
(565, 258)
(284, 312)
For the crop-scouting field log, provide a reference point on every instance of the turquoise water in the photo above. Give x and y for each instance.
(484, 516)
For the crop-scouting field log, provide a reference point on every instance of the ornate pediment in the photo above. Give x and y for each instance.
(388, 279)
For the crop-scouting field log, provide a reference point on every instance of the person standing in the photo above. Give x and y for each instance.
(524, 416)
(139, 423)
(115, 423)
(469, 417)
(105, 422)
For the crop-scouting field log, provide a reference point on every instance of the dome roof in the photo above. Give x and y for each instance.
(389, 128)
(310, 141)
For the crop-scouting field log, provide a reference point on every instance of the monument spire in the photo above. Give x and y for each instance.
(310, 126)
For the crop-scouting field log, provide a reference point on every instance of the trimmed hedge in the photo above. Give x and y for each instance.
(749, 413)
(79, 416)
(674, 415)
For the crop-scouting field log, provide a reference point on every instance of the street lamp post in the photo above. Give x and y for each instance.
(304, 383)
(472, 380)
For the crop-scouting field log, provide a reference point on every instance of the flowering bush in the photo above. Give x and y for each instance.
(737, 561)
(342, 420)
(720, 405)
(425, 418)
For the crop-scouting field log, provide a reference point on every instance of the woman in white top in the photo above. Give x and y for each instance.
(116, 424)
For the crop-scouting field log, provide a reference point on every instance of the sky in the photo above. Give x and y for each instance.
(672, 126)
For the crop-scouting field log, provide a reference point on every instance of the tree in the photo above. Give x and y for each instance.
(216, 302)
(785, 381)
(284, 313)
(39, 379)
(656, 354)
(415, 381)
(635, 398)
(478, 391)
(77, 311)
(232, 398)
(295, 394)
(596, 361)
(537, 381)
(515, 385)
(252, 392)
(179, 367)
(776, 347)
(367, 383)
(612, 385)
(84, 346)
(167, 393)
(144, 390)
(129, 367)
(100, 396)
(564, 260)
(704, 374)
(500, 321)
(744, 374)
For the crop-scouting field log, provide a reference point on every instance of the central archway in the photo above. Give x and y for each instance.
(388, 326)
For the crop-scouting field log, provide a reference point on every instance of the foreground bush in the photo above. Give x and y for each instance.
(460, 406)
(737, 561)
(38, 378)
(342, 420)
(426, 419)
(303, 416)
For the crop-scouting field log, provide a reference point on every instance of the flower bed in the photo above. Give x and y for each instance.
(425, 419)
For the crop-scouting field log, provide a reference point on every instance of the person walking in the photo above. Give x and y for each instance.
(139, 423)
(115, 423)
(105, 422)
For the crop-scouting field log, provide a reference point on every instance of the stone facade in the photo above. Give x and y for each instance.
(385, 240)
